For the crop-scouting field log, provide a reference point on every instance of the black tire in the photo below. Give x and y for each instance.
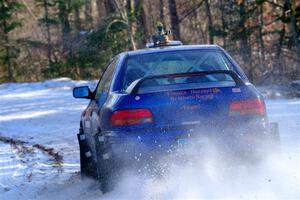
(107, 177)
(274, 131)
(107, 166)
(274, 137)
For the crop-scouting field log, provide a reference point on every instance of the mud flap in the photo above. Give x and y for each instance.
(86, 161)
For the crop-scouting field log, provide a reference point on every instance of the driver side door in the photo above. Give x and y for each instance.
(101, 93)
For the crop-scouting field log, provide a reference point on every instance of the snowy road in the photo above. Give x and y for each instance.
(39, 154)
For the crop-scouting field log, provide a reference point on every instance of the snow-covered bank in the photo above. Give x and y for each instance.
(45, 113)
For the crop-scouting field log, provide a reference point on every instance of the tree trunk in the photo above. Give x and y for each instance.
(261, 39)
(110, 6)
(100, 9)
(280, 43)
(131, 24)
(279, 70)
(88, 14)
(77, 19)
(278, 64)
(49, 46)
(7, 60)
(161, 12)
(209, 21)
(63, 14)
(174, 20)
(222, 10)
(142, 24)
(244, 45)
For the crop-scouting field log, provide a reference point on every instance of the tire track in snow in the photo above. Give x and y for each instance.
(21, 159)
(22, 148)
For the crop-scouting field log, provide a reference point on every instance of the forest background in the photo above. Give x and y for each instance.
(44, 39)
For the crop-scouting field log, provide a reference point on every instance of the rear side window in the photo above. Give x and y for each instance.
(139, 66)
(106, 78)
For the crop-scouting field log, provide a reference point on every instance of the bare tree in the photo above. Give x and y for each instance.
(244, 40)
(122, 16)
(101, 10)
(294, 28)
(47, 21)
(88, 14)
(260, 33)
(162, 12)
(209, 22)
(223, 21)
(174, 20)
(110, 6)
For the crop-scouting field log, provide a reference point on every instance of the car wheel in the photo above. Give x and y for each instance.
(274, 137)
(107, 176)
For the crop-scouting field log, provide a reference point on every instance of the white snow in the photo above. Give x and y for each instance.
(46, 113)
(38, 113)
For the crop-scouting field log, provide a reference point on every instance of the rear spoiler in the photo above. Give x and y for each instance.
(134, 86)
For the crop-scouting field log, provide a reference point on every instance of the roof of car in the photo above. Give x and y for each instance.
(171, 48)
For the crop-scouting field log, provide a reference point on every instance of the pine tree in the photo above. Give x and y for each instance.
(47, 21)
(63, 11)
(8, 23)
(76, 5)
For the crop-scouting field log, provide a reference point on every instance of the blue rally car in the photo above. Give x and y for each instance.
(154, 101)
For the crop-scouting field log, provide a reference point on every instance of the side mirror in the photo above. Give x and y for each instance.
(82, 92)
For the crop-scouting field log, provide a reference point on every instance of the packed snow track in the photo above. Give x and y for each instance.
(39, 155)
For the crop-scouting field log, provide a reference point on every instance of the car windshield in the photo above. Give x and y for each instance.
(176, 62)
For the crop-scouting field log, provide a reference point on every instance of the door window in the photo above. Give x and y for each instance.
(106, 78)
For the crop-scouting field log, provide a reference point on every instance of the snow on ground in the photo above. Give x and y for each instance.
(42, 161)
(38, 113)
